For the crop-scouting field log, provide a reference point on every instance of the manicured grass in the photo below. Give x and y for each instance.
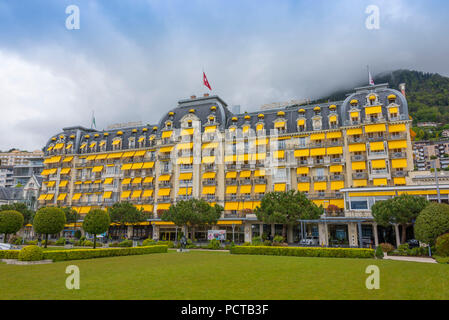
(219, 275)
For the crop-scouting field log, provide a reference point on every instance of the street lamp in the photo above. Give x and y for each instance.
(434, 164)
(325, 222)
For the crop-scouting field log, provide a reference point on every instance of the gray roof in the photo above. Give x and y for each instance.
(11, 193)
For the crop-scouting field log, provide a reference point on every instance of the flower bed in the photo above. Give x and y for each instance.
(305, 252)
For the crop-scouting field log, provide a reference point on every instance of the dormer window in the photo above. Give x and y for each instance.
(117, 144)
(333, 121)
(372, 99)
(301, 124)
(354, 117)
(131, 143)
(102, 145)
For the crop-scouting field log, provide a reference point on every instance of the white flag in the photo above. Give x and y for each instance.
(371, 81)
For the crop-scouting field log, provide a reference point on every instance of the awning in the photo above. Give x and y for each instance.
(243, 157)
(229, 222)
(185, 146)
(355, 131)
(68, 159)
(378, 164)
(107, 195)
(318, 152)
(58, 146)
(380, 182)
(334, 150)
(108, 181)
(399, 181)
(166, 134)
(373, 110)
(337, 185)
(126, 166)
(317, 136)
(185, 176)
(333, 135)
(42, 197)
(279, 154)
(279, 124)
(376, 146)
(245, 174)
(184, 160)
(209, 190)
(279, 187)
(166, 149)
(164, 177)
(354, 114)
(302, 153)
(259, 127)
(399, 144)
(101, 156)
(76, 196)
(259, 173)
(148, 179)
(230, 158)
(209, 175)
(393, 110)
(260, 188)
(336, 168)
(116, 142)
(300, 122)
(148, 165)
(357, 147)
(210, 145)
(375, 128)
(210, 129)
(64, 171)
(51, 183)
(231, 189)
(333, 118)
(115, 155)
(164, 192)
(63, 183)
(231, 206)
(97, 169)
(126, 181)
(128, 154)
(137, 166)
(126, 194)
(360, 183)
(207, 160)
(147, 193)
(245, 189)
(164, 206)
(258, 156)
(49, 197)
(302, 170)
(187, 132)
(231, 175)
(136, 194)
(399, 163)
(320, 186)
(396, 127)
(359, 165)
(185, 191)
(261, 141)
(137, 180)
(304, 186)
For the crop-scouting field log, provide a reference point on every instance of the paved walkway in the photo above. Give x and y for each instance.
(412, 259)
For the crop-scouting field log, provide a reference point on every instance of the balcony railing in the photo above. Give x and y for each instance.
(398, 155)
(303, 179)
(208, 182)
(319, 178)
(399, 173)
(360, 175)
(337, 177)
(358, 157)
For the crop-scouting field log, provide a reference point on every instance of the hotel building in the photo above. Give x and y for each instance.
(344, 155)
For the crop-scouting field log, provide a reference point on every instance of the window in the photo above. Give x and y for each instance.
(302, 142)
(359, 205)
(131, 143)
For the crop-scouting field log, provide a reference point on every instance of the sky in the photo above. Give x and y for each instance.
(134, 60)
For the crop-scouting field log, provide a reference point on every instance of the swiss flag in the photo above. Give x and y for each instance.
(206, 83)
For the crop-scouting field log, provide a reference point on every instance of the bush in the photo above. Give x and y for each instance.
(88, 243)
(403, 249)
(246, 244)
(432, 222)
(77, 254)
(9, 254)
(60, 241)
(267, 243)
(442, 245)
(33, 242)
(50, 242)
(278, 239)
(31, 253)
(170, 244)
(77, 234)
(214, 244)
(305, 251)
(257, 241)
(124, 244)
(386, 247)
(148, 242)
(379, 253)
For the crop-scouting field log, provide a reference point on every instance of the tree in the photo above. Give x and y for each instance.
(97, 221)
(401, 210)
(193, 212)
(125, 212)
(286, 208)
(22, 208)
(10, 222)
(432, 222)
(49, 220)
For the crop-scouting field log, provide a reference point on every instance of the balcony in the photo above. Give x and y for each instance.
(319, 178)
(244, 182)
(398, 155)
(336, 160)
(260, 181)
(209, 167)
(325, 195)
(377, 155)
(303, 179)
(375, 138)
(360, 175)
(184, 198)
(165, 185)
(302, 162)
(231, 182)
(209, 182)
(356, 139)
(164, 200)
(232, 197)
(209, 198)
(400, 136)
(398, 173)
(164, 156)
(358, 157)
(337, 177)
(318, 161)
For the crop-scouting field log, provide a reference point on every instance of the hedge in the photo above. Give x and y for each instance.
(305, 252)
(77, 254)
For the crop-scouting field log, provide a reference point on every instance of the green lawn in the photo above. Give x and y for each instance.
(219, 275)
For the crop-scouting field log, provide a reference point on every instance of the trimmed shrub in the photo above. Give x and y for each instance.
(33, 242)
(88, 243)
(442, 245)
(60, 241)
(305, 251)
(386, 247)
(267, 243)
(10, 222)
(148, 242)
(278, 240)
(170, 244)
(379, 253)
(214, 244)
(432, 222)
(125, 244)
(78, 254)
(257, 241)
(9, 254)
(31, 253)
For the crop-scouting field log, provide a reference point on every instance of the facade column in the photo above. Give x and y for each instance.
(248, 233)
(352, 234)
(323, 234)
(376, 237)
(290, 234)
(396, 231)
(261, 230)
(155, 232)
(130, 231)
(273, 229)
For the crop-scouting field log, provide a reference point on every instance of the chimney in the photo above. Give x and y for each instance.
(402, 88)
(206, 94)
(193, 97)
